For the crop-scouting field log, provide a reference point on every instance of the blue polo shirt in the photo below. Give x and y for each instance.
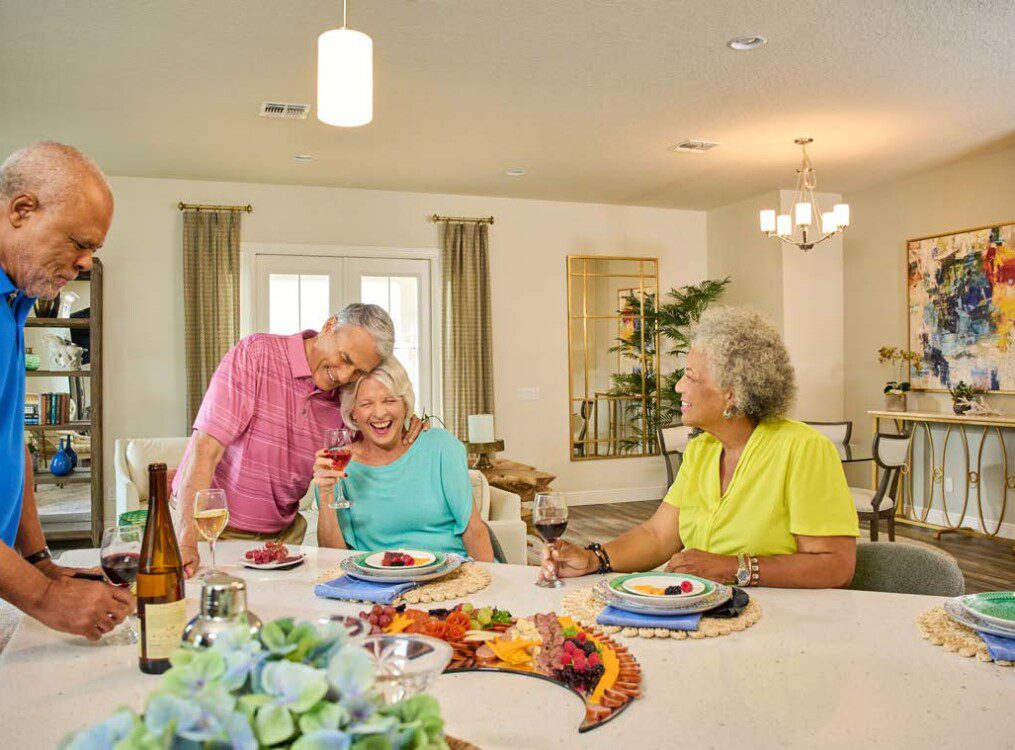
(14, 308)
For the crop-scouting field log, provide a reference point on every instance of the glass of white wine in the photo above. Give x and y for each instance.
(211, 514)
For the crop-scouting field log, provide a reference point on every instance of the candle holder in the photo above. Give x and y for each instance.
(484, 450)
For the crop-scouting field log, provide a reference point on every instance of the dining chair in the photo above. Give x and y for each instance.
(838, 432)
(890, 452)
(673, 441)
(906, 569)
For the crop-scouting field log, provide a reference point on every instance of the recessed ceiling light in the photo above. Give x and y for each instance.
(304, 157)
(744, 43)
(514, 171)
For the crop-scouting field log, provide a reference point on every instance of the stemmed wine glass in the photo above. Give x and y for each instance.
(119, 558)
(549, 516)
(338, 447)
(211, 514)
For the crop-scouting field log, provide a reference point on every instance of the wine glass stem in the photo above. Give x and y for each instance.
(211, 547)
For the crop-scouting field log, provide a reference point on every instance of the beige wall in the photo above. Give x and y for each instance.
(144, 302)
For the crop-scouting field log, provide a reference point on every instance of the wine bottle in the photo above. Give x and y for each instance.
(161, 606)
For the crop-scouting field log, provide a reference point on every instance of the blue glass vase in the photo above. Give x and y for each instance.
(60, 465)
(69, 450)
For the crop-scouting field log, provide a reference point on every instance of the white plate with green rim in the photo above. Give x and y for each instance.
(653, 606)
(422, 559)
(997, 607)
(954, 609)
(646, 586)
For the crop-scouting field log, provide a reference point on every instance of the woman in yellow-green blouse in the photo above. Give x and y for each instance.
(759, 499)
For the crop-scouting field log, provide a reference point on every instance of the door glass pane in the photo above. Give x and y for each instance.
(297, 302)
(399, 295)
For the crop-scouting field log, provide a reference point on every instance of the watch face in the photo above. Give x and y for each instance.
(743, 576)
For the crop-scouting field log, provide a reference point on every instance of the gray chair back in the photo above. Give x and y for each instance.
(673, 441)
(906, 569)
(838, 432)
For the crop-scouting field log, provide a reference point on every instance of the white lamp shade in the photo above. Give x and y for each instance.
(784, 225)
(345, 78)
(767, 219)
(803, 214)
(841, 214)
(828, 224)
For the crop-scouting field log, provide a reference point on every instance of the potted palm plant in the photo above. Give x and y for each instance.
(901, 360)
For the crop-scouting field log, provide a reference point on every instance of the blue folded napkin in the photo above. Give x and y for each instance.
(345, 587)
(999, 647)
(622, 618)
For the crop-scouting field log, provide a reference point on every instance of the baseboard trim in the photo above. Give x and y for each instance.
(621, 495)
(972, 520)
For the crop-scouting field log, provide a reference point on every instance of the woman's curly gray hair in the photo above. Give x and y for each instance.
(746, 355)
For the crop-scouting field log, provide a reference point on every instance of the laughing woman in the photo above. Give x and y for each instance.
(417, 496)
(759, 499)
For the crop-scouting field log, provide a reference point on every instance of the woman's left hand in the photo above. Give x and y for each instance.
(718, 568)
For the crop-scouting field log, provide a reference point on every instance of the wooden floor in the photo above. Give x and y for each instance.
(987, 566)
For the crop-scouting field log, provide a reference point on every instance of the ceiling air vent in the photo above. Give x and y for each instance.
(283, 111)
(694, 147)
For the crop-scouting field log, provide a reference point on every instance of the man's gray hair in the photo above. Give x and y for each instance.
(374, 319)
(49, 170)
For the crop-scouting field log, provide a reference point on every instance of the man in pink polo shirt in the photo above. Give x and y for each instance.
(264, 416)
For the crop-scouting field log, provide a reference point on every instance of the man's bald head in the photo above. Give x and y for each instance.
(55, 210)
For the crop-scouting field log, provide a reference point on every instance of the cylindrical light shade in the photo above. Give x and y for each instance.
(841, 214)
(803, 214)
(345, 78)
(767, 219)
(784, 225)
(828, 224)
(481, 428)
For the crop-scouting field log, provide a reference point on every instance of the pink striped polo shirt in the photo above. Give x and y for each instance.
(263, 406)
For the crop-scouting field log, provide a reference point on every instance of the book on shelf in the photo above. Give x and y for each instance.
(47, 408)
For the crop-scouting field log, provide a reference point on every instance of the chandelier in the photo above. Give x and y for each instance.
(345, 76)
(799, 229)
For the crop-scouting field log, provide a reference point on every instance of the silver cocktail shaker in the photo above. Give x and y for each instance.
(223, 607)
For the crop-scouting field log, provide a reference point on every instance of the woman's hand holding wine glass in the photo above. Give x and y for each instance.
(549, 517)
(337, 450)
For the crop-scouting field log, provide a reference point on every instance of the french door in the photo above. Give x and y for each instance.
(294, 292)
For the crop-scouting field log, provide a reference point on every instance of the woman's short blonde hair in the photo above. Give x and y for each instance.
(392, 376)
(747, 356)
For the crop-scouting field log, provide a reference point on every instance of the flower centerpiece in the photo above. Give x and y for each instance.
(903, 359)
(295, 685)
(964, 397)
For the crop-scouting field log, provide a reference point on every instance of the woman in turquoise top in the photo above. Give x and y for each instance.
(403, 496)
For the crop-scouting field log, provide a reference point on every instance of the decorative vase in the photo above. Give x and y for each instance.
(32, 360)
(895, 401)
(60, 464)
(69, 450)
(961, 408)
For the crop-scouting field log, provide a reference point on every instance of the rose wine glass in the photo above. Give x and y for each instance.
(119, 558)
(211, 514)
(549, 516)
(338, 447)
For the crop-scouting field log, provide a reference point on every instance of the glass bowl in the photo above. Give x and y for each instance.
(406, 664)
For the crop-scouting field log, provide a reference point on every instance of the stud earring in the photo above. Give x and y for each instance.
(728, 412)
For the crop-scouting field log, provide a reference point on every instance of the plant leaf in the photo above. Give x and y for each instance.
(323, 739)
(274, 724)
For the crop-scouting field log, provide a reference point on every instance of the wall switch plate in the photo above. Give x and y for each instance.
(948, 484)
(528, 394)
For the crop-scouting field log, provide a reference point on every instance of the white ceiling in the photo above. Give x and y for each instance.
(587, 95)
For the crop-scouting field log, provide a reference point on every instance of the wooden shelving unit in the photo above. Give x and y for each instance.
(60, 528)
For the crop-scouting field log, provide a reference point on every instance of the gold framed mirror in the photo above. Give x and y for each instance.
(613, 356)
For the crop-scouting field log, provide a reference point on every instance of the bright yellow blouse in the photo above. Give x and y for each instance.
(789, 480)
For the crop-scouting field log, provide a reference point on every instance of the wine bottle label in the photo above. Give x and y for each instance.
(163, 626)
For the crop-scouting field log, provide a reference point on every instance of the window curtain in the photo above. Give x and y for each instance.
(211, 295)
(468, 333)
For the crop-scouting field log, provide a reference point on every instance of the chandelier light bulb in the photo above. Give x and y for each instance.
(784, 225)
(828, 225)
(767, 219)
(803, 214)
(345, 77)
(841, 214)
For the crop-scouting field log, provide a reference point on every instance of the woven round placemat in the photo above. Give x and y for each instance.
(584, 605)
(937, 627)
(456, 744)
(467, 579)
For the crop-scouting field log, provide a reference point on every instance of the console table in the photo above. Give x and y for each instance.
(970, 485)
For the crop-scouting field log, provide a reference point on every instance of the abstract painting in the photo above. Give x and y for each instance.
(962, 308)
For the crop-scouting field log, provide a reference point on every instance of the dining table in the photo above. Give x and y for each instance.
(825, 668)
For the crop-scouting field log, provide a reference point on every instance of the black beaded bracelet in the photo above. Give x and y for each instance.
(605, 566)
(38, 557)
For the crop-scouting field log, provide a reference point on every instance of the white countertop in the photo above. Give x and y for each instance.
(828, 669)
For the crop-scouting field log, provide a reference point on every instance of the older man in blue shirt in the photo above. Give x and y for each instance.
(55, 210)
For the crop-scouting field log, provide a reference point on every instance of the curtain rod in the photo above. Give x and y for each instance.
(478, 220)
(205, 207)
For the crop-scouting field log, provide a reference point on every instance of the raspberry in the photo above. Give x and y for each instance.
(686, 587)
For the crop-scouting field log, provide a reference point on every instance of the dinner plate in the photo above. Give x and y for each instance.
(633, 583)
(651, 606)
(423, 559)
(955, 609)
(997, 607)
(395, 575)
(280, 565)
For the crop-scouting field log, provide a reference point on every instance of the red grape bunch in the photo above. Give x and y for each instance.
(269, 553)
(379, 617)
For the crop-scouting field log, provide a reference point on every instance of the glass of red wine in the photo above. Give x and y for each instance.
(119, 558)
(549, 517)
(338, 447)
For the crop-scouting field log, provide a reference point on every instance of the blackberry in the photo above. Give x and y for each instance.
(672, 590)
(588, 647)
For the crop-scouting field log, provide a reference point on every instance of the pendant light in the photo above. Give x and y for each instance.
(345, 76)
